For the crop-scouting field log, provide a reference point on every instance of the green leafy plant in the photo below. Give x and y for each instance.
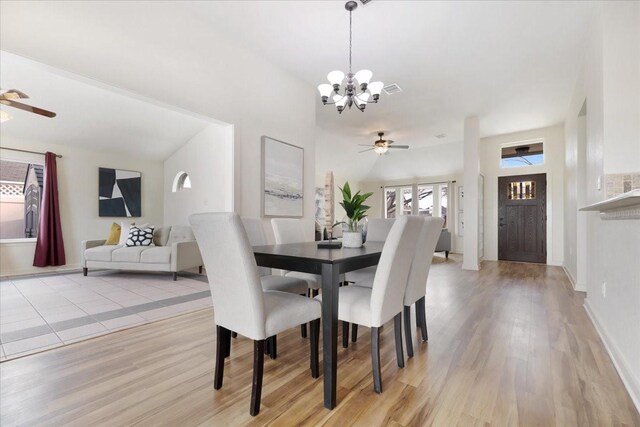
(353, 206)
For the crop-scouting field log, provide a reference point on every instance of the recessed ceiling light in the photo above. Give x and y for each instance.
(391, 89)
(441, 135)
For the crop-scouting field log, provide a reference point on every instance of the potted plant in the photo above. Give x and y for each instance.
(356, 210)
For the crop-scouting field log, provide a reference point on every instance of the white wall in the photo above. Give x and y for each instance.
(490, 150)
(78, 196)
(208, 160)
(609, 83)
(226, 81)
(471, 258)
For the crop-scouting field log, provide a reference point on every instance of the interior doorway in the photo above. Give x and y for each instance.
(522, 218)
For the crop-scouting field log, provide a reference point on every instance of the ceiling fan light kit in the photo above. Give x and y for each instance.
(381, 146)
(358, 89)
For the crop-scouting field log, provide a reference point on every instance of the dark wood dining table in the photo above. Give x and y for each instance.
(330, 264)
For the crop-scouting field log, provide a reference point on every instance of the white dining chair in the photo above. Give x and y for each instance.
(270, 281)
(291, 230)
(375, 306)
(239, 302)
(417, 280)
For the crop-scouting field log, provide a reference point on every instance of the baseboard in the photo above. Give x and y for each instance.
(633, 387)
(576, 286)
(47, 271)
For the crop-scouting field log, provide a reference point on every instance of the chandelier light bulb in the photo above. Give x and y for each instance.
(335, 78)
(376, 89)
(363, 77)
(325, 91)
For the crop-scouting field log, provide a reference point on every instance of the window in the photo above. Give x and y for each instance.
(522, 155)
(522, 190)
(20, 197)
(407, 200)
(444, 191)
(425, 200)
(390, 202)
(181, 182)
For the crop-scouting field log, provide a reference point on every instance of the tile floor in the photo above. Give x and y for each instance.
(38, 313)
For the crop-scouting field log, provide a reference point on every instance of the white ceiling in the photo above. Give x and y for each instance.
(90, 114)
(513, 64)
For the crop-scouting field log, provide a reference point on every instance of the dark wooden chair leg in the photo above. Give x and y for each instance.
(267, 346)
(354, 333)
(273, 347)
(85, 270)
(175, 276)
(375, 360)
(446, 254)
(258, 369)
(227, 343)
(221, 349)
(315, 292)
(234, 335)
(345, 334)
(303, 330)
(200, 270)
(407, 330)
(397, 328)
(418, 322)
(313, 342)
(423, 318)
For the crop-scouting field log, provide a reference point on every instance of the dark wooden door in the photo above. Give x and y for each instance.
(522, 218)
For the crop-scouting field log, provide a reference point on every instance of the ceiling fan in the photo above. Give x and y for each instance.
(10, 97)
(381, 146)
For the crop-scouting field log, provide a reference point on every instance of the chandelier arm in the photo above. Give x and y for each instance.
(335, 102)
(366, 102)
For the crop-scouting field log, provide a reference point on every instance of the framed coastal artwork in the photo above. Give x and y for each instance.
(282, 179)
(119, 193)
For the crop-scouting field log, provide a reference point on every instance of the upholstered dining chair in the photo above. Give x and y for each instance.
(377, 231)
(273, 282)
(239, 302)
(291, 230)
(375, 306)
(417, 280)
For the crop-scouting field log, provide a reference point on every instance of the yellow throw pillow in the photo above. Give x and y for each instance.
(114, 235)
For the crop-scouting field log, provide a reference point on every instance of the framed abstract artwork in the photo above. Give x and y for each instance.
(282, 179)
(119, 193)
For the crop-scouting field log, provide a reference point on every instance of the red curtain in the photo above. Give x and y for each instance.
(49, 244)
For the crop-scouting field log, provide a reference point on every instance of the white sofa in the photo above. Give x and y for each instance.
(175, 249)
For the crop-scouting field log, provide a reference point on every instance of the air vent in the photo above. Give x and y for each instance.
(365, 2)
(441, 135)
(391, 89)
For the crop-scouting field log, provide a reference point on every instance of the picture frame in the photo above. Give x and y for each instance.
(119, 193)
(282, 183)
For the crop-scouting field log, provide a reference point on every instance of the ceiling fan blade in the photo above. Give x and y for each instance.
(31, 109)
(364, 145)
(390, 141)
(404, 147)
(368, 149)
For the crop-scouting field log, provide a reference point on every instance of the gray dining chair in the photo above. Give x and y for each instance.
(270, 281)
(375, 306)
(239, 302)
(417, 280)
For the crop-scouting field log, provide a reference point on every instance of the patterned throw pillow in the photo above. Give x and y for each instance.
(140, 236)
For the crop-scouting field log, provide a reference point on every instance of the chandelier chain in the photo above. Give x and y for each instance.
(350, 37)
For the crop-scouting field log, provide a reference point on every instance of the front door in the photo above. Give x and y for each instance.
(522, 218)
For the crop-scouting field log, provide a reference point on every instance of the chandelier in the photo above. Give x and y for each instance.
(357, 90)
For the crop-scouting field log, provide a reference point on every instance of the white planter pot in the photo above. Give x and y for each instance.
(351, 239)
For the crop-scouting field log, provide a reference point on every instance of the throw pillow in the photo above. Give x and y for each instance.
(140, 236)
(180, 233)
(114, 235)
(124, 232)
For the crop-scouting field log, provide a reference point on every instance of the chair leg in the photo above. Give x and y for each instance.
(175, 276)
(258, 369)
(354, 333)
(227, 343)
(234, 335)
(85, 270)
(375, 360)
(407, 330)
(200, 270)
(315, 336)
(446, 254)
(273, 347)
(303, 330)
(345, 334)
(397, 328)
(423, 318)
(222, 337)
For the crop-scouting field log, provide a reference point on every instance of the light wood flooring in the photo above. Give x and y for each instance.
(509, 345)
